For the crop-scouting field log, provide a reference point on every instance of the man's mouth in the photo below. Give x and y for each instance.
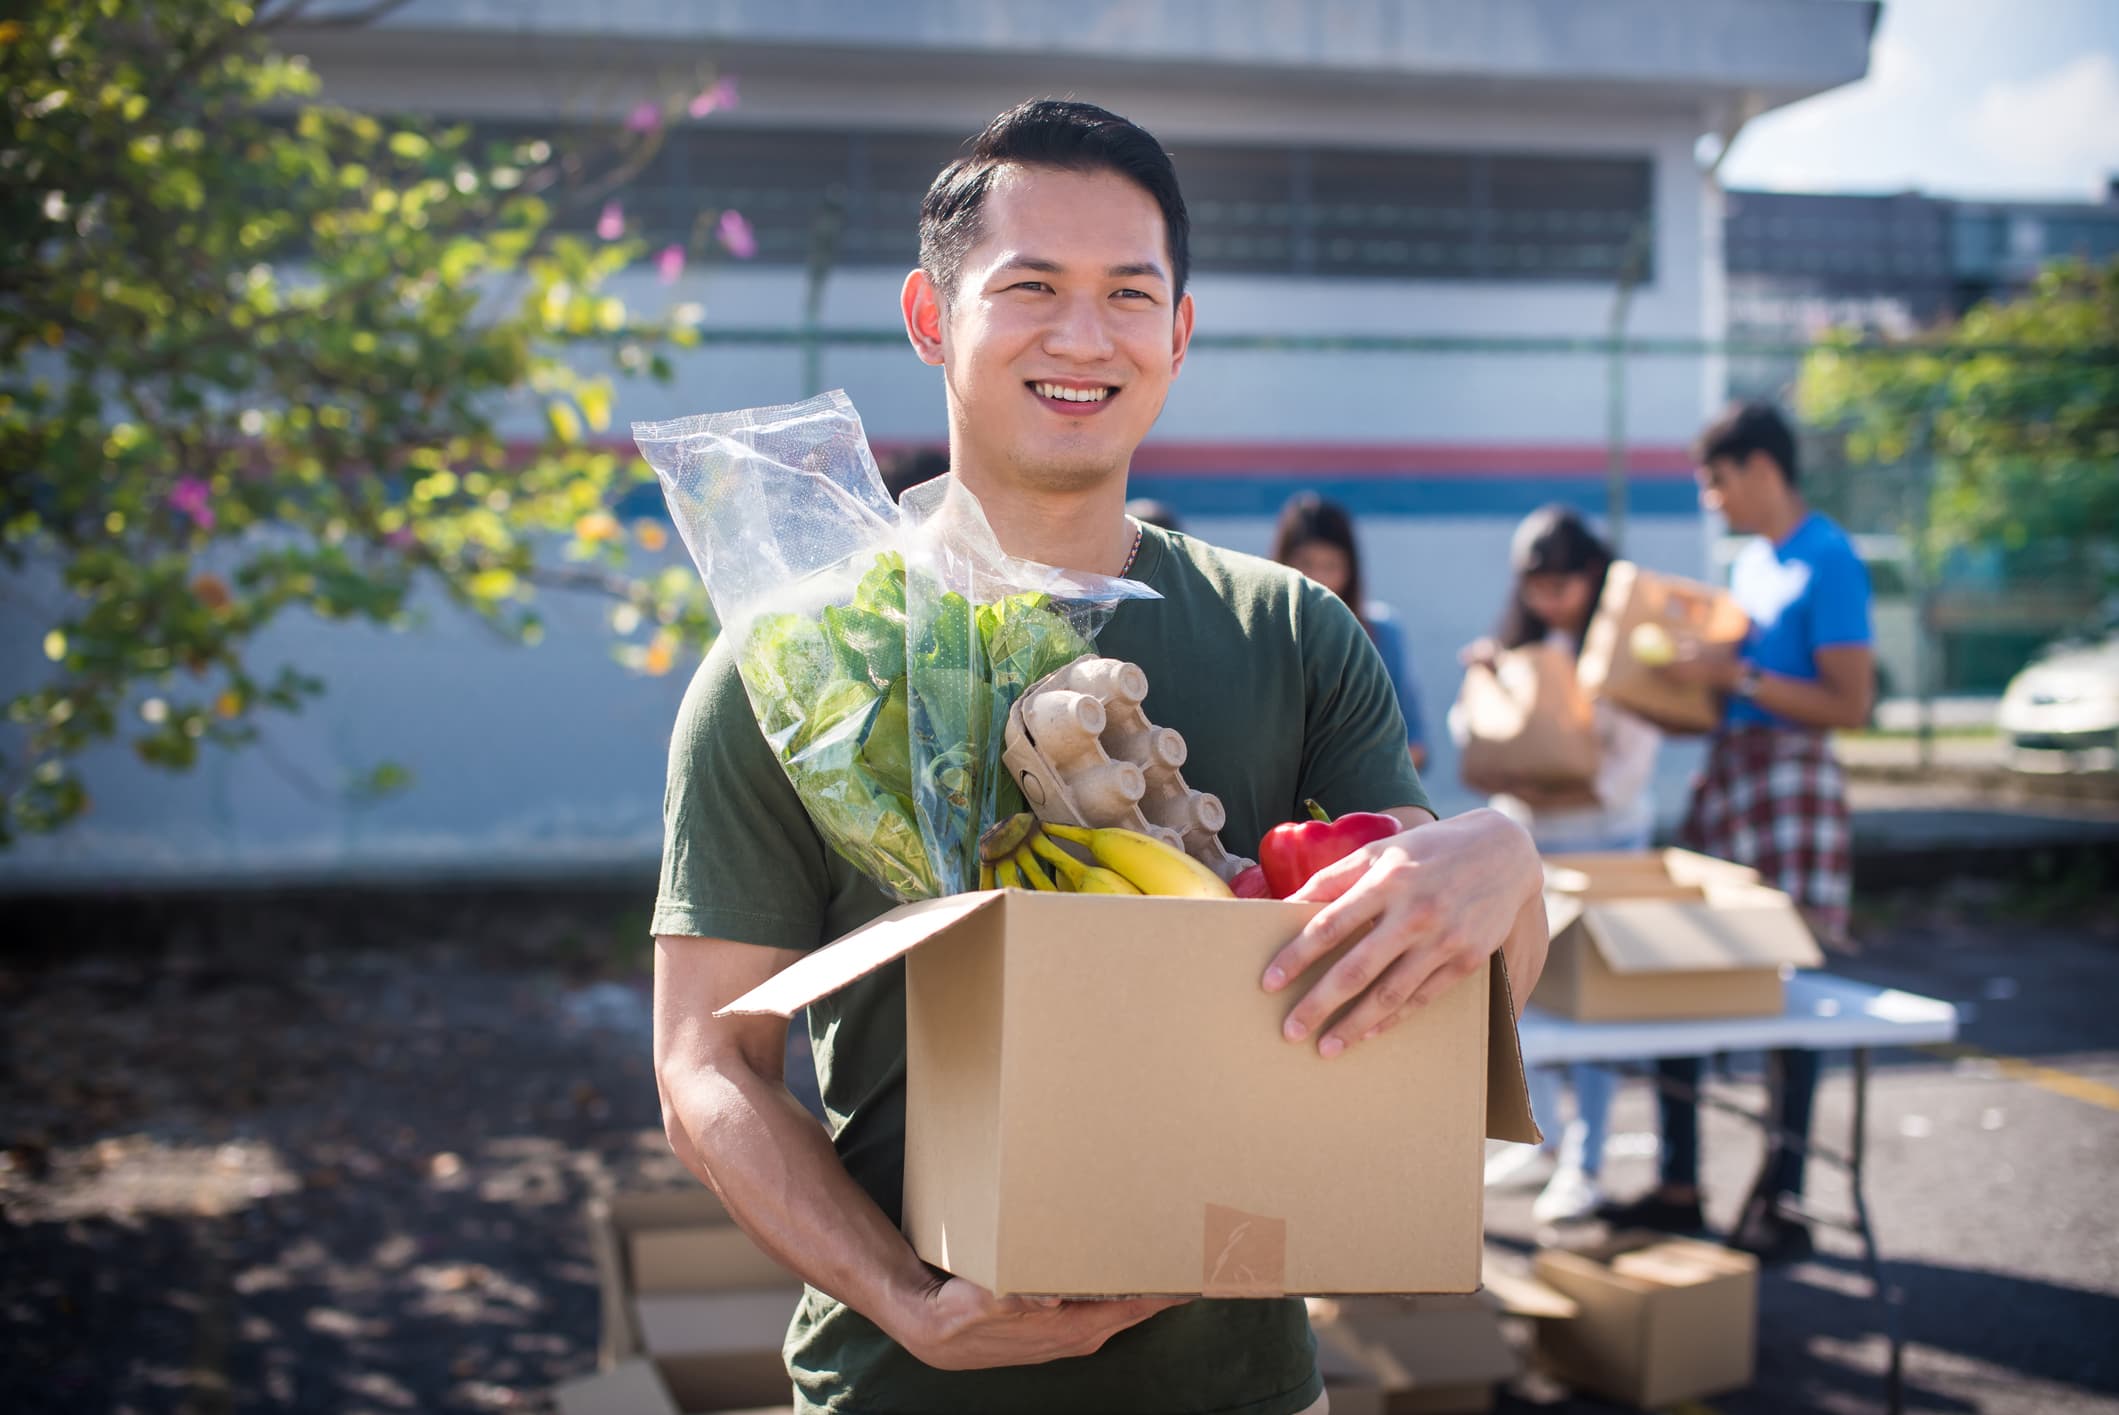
(1072, 396)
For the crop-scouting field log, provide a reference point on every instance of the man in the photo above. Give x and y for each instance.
(1771, 795)
(1051, 293)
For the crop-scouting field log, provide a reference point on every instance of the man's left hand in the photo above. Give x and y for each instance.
(1715, 668)
(1436, 901)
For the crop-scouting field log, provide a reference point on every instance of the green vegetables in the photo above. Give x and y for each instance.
(888, 719)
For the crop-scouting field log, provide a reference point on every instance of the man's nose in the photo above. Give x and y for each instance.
(1078, 331)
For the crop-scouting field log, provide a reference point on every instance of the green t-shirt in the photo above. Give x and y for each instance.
(1280, 697)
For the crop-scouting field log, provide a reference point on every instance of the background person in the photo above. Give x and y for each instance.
(1559, 565)
(1316, 536)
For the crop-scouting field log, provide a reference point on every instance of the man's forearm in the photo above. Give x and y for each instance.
(777, 1174)
(1817, 704)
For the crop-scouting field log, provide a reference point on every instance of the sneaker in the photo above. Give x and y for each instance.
(1571, 1197)
(1777, 1238)
(1652, 1211)
(1519, 1167)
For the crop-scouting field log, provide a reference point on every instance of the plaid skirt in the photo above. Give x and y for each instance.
(1774, 798)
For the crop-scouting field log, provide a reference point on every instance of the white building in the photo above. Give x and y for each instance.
(1385, 169)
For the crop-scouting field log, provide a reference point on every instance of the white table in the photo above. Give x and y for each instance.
(1822, 1013)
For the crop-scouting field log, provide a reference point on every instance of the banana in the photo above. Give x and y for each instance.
(1007, 876)
(1081, 878)
(1145, 862)
(1037, 875)
(985, 874)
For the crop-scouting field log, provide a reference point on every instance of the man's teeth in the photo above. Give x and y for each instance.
(1072, 395)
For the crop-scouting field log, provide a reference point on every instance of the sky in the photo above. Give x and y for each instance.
(2003, 98)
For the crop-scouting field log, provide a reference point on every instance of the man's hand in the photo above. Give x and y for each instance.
(959, 1326)
(1714, 667)
(1437, 901)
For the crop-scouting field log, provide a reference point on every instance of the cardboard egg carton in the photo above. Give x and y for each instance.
(1085, 753)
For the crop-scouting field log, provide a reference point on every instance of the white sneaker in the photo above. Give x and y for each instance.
(1519, 1166)
(1569, 1198)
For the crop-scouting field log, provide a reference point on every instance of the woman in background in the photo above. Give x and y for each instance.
(1559, 565)
(1316, 537)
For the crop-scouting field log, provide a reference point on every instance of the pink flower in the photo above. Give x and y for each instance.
(721, 95)
(399, 539)
(195, 499)
(669, 264)
(735, 233)
(645, 117)
(611, 224)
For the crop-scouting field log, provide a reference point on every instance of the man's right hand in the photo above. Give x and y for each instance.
(957, 1325)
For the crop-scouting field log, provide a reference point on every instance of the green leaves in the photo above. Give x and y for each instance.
(253, 351)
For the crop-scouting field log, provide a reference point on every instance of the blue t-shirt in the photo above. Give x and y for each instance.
(1389, 639)
(1810, 592)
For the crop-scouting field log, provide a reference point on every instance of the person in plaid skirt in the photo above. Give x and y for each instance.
(1771, 795)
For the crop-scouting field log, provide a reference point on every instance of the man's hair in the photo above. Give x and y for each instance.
(1056, 133)
(1746, 428)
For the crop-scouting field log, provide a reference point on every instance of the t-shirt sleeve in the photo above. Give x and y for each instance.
(1839, 605)
(740, 859)
(1354, 738)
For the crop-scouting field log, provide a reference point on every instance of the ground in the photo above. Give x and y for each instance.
(328, 1152)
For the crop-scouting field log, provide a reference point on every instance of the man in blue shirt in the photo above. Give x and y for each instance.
(1772, 795)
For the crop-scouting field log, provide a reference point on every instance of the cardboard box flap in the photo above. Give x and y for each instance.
(629, 1388)
(713, 1323)
(1682, 1262)
(1524, 1296)
(1735, 926)
(860, 953)
(1508, 1115)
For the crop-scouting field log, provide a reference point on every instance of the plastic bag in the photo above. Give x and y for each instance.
(881, 652)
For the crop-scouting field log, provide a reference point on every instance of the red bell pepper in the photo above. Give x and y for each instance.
(1291, 853)
(1250, 883)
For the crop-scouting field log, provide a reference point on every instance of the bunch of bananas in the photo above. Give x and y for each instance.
(1023, 852)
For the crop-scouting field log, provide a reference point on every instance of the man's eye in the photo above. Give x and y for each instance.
(1134, 295)
(1037, 285)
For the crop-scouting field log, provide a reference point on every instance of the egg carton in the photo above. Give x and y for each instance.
(1085, 754)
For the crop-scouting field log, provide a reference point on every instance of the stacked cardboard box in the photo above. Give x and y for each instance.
(1411, 1356)
(694, 1313)
(1666, 934)
(1658, 1320)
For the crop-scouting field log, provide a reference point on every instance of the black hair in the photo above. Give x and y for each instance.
(1552, 540)
(1047, 132)
(908, 467)
(1310, 519)
(1745, 428)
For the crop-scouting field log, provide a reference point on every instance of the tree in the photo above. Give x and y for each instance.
(2016, 406)
(255, 357)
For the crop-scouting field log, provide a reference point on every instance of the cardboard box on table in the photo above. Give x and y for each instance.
(1099, 1102)
(694, 1313)
(1411, 1356)
(1666, 934)
(1686, 611)
(1658, 1319)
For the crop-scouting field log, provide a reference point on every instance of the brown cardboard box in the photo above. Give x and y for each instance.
(694, 1313)
(1099, 1102)
(1685, 610)
(1666, 934)
(1526, 719)
(1412, 1356)
(1660, 1319)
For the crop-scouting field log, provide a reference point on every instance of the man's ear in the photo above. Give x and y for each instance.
(922, 307)
(1181, 333)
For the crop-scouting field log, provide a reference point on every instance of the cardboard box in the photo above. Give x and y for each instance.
(1666, 934)
(694, 1313)
(1684, 610)
(1099, 1102)
(1411, 1356)
(1659, 1319)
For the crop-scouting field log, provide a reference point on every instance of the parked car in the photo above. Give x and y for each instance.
(2066, 699)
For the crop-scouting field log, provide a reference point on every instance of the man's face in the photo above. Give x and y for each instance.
(1741, 491)
(1062, 336)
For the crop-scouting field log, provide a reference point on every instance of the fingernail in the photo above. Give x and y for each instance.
(1330, 1047)
(1274, 978)
(1294, 1031)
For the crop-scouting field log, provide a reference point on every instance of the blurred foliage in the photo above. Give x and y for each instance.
(255, 353)
(2016, 406)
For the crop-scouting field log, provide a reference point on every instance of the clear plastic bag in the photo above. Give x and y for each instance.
(881, 651)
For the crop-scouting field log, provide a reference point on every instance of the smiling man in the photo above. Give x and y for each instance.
(1051, 293)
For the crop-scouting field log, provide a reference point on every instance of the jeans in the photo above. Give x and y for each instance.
(1594, 1087)
(1680, 1116)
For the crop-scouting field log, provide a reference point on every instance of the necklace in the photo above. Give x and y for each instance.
(1132, 554)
